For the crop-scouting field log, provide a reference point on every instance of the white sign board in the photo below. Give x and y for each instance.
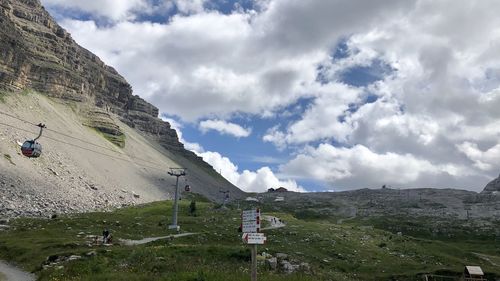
(250, 221)
(254, 238)
(250, 214)
(250, 226)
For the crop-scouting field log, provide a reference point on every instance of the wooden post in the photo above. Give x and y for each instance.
(253, 249)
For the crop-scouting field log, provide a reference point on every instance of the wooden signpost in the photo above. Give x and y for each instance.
(250, 226)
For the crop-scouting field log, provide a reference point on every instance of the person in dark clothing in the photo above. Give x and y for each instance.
(105, 236)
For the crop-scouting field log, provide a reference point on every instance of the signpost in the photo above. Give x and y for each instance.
(254, 238)
(250, 226)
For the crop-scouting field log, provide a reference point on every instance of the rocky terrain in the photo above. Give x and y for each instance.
(113, 151)
(36, 53)
(492, 187)
(410, 203)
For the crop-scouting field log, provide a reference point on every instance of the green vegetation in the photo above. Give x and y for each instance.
(353, 251)
(118, 140)
(3, 96)
(2, 277)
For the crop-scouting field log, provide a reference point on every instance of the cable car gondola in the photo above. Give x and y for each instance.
(31, 148)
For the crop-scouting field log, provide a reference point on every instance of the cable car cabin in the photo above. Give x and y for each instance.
(31, 149)
(187, 188)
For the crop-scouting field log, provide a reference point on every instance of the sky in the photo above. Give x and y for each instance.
(313, 95)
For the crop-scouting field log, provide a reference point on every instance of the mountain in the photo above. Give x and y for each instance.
(103, 147)
(493, 186)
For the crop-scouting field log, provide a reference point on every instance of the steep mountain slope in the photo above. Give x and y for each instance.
(90, 103)
(493, 186)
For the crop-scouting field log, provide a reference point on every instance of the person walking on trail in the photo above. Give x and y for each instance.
(105, 236)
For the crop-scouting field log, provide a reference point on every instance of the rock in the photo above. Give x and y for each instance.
(4, 221)
(74, 257)
(281, 256)
(4, 227)
(91, 254)
(305, 267)
(287, 267)
(136, 195)
(53, 172)
(272, 263)
(492, 186)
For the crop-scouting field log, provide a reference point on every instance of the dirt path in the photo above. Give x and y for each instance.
(128, 242)
(340, 221)
(487, 258)
(275, 222)
(11, 273)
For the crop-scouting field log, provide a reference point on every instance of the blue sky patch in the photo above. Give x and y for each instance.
(361, 76)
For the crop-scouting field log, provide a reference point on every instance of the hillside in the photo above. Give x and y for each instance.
(304, 249)
(45, 76)
(81, 169)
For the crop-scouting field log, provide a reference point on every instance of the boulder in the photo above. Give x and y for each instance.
(272, 263)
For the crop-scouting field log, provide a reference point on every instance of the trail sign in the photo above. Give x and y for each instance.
(254, 238)
(250, 221)
(250, 215)
(250, 226)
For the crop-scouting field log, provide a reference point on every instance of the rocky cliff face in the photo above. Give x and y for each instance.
(492, 186)
(36, 53)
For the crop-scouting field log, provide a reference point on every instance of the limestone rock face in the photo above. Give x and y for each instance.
(36, 53)
(492, 186)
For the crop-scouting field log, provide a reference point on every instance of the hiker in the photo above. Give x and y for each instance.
(106, 236)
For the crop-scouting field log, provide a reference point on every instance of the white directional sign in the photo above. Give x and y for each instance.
(254, 238)
(250, 221)
(250, 215)
(250, 226)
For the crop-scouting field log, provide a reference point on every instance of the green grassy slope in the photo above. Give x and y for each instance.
(335, 252)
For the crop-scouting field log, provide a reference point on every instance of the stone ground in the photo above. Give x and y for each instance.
(11, 273)
(72, 175)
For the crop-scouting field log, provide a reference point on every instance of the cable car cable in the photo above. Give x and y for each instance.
(84, 148)
(90, 143)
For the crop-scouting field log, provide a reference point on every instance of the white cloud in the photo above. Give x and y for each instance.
(250, 181)
(483, 159)
(112, 9)
(224, 127)
(342, 167)
(189, 6)
(216, 65)
(437, 111)
(319, 121)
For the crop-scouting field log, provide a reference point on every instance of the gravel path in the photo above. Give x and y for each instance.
(275, 222)
(128, 242)
(12, 273)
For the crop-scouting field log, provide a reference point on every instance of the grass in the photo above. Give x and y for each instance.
(334, 252)
(3, 96)
(114, 139)
(2, 277)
